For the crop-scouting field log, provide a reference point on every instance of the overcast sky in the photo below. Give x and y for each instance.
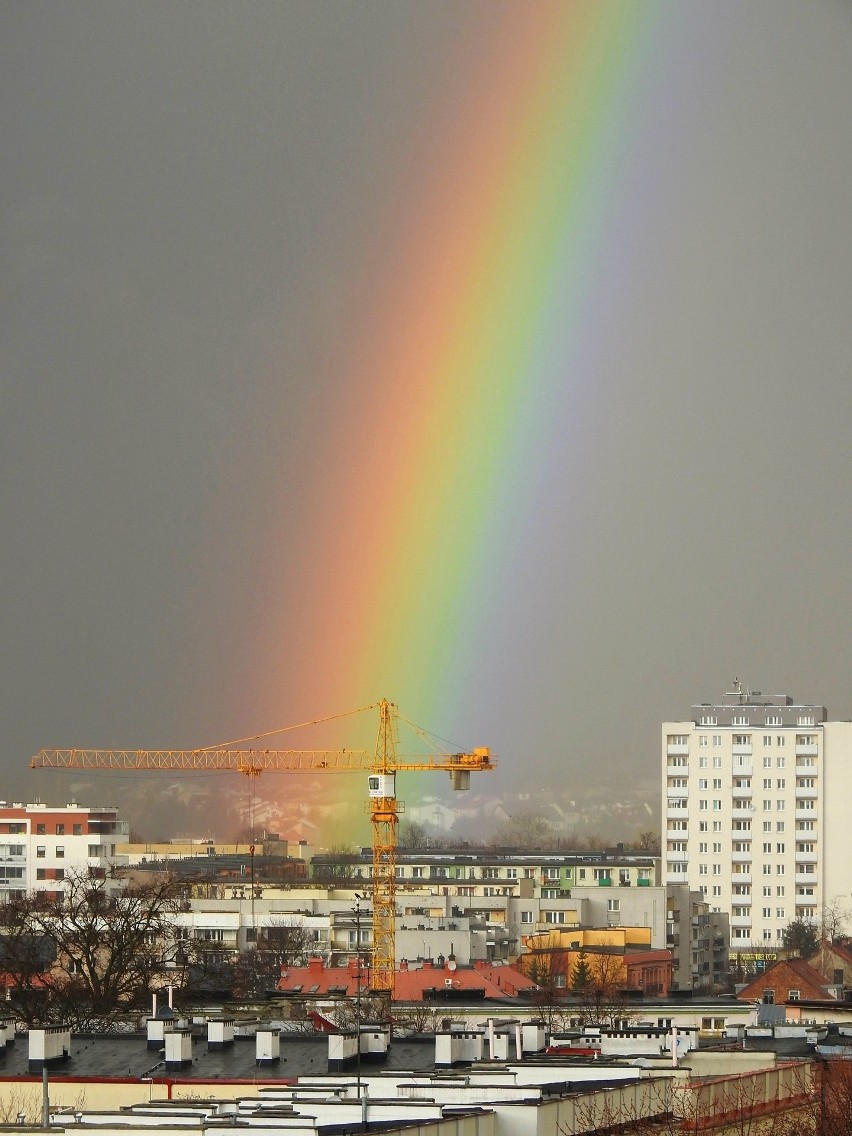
(195, 200)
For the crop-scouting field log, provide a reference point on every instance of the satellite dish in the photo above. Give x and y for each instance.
(452, 964)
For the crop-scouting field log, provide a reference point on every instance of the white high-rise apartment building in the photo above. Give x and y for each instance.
(756, 811)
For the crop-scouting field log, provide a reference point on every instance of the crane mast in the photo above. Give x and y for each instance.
(381, 765)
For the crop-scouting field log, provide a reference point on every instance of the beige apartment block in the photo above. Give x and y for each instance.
(756, 792)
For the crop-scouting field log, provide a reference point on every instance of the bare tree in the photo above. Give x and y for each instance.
(548, 965)
(109, 947)
(283, 943)
(524, 830)
(600, 999)
(835, 916)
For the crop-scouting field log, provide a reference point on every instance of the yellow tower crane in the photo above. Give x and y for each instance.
(381, 766)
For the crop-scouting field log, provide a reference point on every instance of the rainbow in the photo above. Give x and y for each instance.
(467, 369)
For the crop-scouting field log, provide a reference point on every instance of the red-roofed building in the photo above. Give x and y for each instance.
(650, 971)
(834, 963)
(786, 981)
(424, 983)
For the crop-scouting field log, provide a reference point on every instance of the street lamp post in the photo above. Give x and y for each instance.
(358, 899)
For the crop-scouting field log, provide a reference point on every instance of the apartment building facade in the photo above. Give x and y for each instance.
(40, 844)
(755, 793)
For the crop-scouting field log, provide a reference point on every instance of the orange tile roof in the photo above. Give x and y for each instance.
(318, 980)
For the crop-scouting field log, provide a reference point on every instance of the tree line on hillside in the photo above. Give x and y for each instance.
(527, 832)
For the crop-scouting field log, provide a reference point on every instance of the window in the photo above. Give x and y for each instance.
(702, 847)
(717, 782)
(779, 761)
(806, 720)
(773, 719)
(60, 851)
(554, 916)
(551, 873)
(417, 873)
(702, 740)
(779, 848)
(717, 889)
(767, 761)
(95, 850)
(767, 782)
(717, 761)
(59, 873)
(767, 913)
(702, 782)
(767, 849)
(702, 869)
(601, 873)
(40, 851)
(767, 806)
(717, 869)
(708, 720)
(717, 739)
(702, 806)
(41, 829)
(739, 720)
(780, 741)
(717, 806)
(780, 913)
(767, 890)
(60, 830)
(767, 740)
(717, 826)
(613, 905)
(767, 826)
(77, 829)
(511, 873)
(526, 917)
(550, 893)
(41, 874)
(792, 995)
(702, 763)
(717, 847)
(779, 869)
(779, 805)
(702, 826)
(779, 826)
(677, 740)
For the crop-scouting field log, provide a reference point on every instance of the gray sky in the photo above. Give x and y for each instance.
(196, 198)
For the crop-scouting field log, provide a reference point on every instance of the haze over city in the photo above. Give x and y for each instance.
(491, 358)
